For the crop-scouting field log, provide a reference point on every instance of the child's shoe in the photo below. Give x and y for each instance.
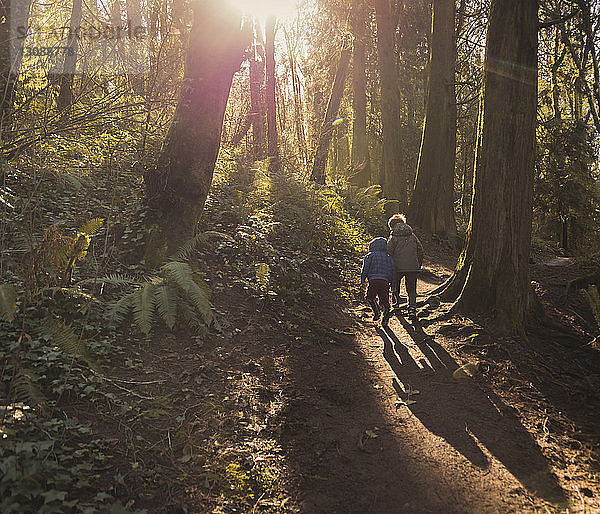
(386, 317)
(412, 314)
(376, 310)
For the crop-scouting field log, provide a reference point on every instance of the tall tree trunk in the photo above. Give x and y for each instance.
(298, 106)
(556, 62)
(272, 139)
(180, 184)
(335, 98)
(257, 81)
(65, 94)
(135, 22)
(432, 202)
(493, 271)
(361, 162)
(393, 175)
(16, 18)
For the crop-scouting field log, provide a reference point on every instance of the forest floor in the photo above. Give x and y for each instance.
(294, 401)
(317, 409)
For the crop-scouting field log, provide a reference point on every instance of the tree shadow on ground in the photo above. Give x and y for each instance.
(463, 414)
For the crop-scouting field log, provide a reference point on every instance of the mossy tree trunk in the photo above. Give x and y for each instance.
(333, 107)
(432, 202)
(493, 270)
(179, 185)
(271, 96)
(257, 82)
(14, 19)
(361, 162)
(392, 176)
(65, 94)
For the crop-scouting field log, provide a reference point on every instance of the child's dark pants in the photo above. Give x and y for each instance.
(379, 288)
(410, 283)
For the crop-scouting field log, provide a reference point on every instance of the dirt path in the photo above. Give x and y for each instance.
(360, 444)
(308, 407)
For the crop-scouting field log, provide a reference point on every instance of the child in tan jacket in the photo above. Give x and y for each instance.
(407, 252)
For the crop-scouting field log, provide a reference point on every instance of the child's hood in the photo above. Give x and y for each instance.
(379, 244)
(401, 229)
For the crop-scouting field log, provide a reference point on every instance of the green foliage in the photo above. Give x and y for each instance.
(174, 292)
(7, 198)
(166, 304)
(566, 190)
(314, 217)
(594, 300)
(25, 386)
(46, 465)
(64, 337)
(365, 205)
(8, 302)
(186, 250)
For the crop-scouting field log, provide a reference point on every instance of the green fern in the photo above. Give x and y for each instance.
(119, 309)
(180, 273)
(113, 279)
(594, 301)
(92, 227)
(166, 305)
(143, 301)
(191, 319)
(198, 298)
(175, 293)
(8, 302)
(185, 252)
(25, 388)
(65, 338)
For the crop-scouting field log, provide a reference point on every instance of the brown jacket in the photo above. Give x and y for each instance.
(405, 248)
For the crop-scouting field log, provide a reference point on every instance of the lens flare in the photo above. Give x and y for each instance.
(266, 8)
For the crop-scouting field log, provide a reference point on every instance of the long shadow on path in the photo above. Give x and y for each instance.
(463, 414)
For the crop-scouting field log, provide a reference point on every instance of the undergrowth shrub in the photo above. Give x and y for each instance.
(314, 217)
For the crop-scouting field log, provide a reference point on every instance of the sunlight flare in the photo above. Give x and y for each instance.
(265, 8)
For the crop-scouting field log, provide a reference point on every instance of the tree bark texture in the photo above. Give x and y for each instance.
(271, 101)
(493, 270)
(65, 94)
(393, 175)
(432, 202)
(257, 81)
(298, 104)
(16, 18)
(5, 57)
(181, 182)
(333, 106)
(361, 162)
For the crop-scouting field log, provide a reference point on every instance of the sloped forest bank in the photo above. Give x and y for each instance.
(282, 397)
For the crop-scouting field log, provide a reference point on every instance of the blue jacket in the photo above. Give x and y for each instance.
(377, 264)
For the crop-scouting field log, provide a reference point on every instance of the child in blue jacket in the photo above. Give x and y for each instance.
(378, 268)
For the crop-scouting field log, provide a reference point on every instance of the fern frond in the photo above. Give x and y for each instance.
(65, 338)
(91, 227)
(8, 302)
(200, 301)
(24, 243)
(191, 318)
(143, 307)
(180, 273)
(166, 304)
(25, 388)
(120, 308)
(186, 250)
(113, 279)
(7, 197)
(594, 300)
